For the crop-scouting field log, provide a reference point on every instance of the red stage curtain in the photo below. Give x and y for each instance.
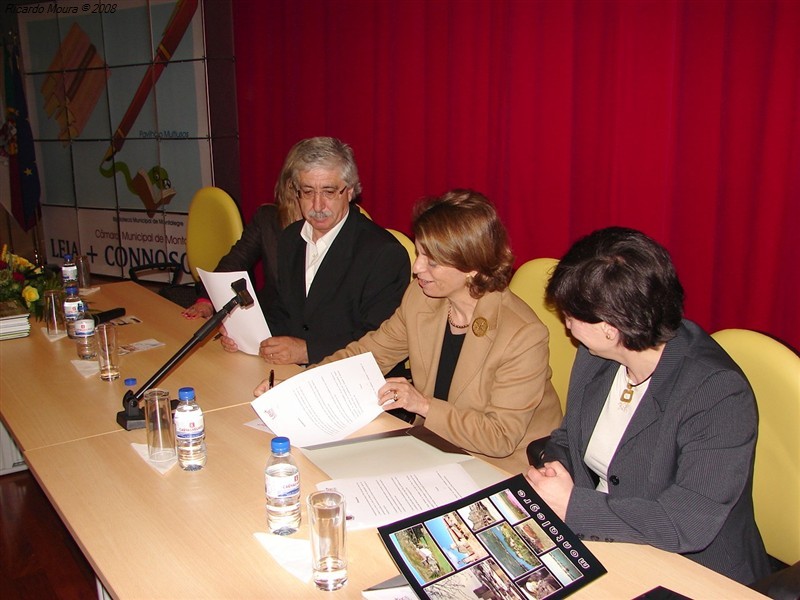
(679, 118)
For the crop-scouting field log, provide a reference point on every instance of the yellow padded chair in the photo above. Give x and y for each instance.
(364, 212)
(214, 226)
(774, 373)
(529, 283)
(407, 244)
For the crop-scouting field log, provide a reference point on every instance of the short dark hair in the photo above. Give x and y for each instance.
(624, 278)
(461, 229)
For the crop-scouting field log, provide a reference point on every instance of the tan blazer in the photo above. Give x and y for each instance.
(500, 398)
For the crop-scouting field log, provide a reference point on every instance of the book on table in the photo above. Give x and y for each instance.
(14, 320)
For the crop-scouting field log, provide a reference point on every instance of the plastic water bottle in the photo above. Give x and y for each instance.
(190, 433)
(73, 309)
(69, 272)
(85, 339)
(282, 484)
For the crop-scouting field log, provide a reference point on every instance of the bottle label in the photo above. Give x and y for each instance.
(84, 327)
(189, 425)
(69, 273)
(72, 309)
(283, 486)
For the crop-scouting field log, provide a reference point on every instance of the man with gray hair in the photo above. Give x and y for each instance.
(339, 274)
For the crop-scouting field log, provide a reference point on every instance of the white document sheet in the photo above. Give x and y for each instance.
(324, 404)
(379, 500)
(247, 326)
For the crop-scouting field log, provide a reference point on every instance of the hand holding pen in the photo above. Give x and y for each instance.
(265, 385)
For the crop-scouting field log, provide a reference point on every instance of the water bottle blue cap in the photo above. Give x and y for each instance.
(72, 290)
(280, 444)
(186, 393)
(67, 257)
(130, 381)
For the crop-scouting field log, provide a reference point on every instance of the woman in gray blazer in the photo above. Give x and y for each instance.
(657, 443)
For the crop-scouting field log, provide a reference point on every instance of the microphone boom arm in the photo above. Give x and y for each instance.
(133, 416)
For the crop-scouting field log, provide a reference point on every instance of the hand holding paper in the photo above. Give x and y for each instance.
(323, 404)
(246, 326)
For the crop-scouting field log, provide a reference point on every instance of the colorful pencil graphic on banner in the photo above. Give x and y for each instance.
(173, 34)
(76, 80)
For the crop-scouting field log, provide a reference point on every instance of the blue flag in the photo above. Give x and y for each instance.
(23, 174)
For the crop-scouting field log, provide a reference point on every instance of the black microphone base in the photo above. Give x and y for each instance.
(130, 422)
(134, 419)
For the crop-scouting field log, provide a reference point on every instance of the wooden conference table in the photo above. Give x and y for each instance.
(190, 535)
(47, 401)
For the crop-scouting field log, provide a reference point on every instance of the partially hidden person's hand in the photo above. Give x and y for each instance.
(399, 392)
(198, 310)
(284, 350)
(227, 343)
(261, 388)
(554, 484)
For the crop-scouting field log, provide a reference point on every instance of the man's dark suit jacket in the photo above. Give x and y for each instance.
(681, 478)
(259, 242)
(358, 286)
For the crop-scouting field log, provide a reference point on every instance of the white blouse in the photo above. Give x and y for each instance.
(611, 425)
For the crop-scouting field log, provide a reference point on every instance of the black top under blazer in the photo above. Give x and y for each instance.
(681, 478)
(357, 287)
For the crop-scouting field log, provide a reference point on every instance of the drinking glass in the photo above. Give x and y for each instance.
(54, 312)
(107, 353)
(158, 421)
(327, 518)
(84, 274)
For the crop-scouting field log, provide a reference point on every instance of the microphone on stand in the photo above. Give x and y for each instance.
(133, 416)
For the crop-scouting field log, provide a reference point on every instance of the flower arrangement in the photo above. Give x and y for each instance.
(25, 283)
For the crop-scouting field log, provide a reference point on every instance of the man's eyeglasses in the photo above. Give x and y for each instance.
(326, 193)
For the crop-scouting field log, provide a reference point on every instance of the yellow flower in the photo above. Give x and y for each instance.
(30, 294)
(23, 263)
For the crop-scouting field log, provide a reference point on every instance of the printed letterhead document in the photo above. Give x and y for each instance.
(380, 500)
(246, 326)
(324, 404)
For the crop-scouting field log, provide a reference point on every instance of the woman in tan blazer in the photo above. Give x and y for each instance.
(478, 353)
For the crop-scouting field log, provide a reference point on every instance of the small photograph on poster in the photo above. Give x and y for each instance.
(484, 580)
(561, 567)
(510, 507)
(502, 542)
(421, 555)
(508, 549)
(480, 515)
(535, 536)
(456, 540)
(539, 585)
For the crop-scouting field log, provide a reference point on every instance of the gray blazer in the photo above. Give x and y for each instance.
(681, 477)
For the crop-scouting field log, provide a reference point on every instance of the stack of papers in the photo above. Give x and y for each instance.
(14, 321)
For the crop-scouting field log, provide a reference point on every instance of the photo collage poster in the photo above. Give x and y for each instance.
(502, 542)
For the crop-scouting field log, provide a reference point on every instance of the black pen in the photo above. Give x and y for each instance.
(271, 378)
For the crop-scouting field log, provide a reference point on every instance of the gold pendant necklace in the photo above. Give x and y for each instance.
(627, 393)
